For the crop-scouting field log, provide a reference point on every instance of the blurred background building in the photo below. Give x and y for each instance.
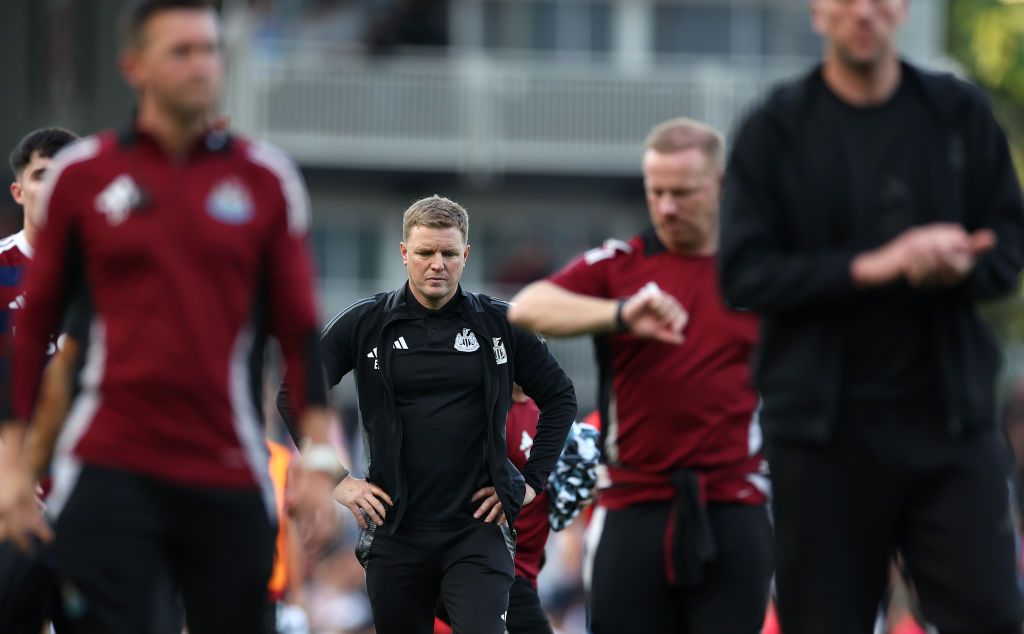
(531, 113)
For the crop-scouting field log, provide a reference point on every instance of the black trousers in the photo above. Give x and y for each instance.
(525, 613)
(629, 591)
(118, 531)
(28, 589)
(470, 569)
(844, 508)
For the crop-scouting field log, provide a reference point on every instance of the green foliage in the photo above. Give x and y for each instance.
(987, 38)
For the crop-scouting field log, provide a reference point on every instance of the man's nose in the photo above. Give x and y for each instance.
(667, 204)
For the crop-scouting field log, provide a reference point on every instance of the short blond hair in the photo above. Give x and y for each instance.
(436, 212)
(676, 135)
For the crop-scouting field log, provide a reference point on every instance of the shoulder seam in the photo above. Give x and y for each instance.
(351, 307)
(293, 189)
(82, 150)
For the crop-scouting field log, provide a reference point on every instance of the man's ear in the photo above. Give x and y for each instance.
(16, 193)
(128, 62)
(405, 253)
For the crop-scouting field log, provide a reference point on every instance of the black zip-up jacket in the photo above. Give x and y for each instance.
(359, 339)
(783, 254)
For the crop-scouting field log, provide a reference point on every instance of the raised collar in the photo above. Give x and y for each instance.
(211, 141)
(417, 309)
(22, 243)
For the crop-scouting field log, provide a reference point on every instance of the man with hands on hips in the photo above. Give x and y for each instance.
(434, 366)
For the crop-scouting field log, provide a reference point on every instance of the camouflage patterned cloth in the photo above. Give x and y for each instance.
(572, 483)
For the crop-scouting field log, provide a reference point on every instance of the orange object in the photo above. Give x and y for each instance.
(280, 460)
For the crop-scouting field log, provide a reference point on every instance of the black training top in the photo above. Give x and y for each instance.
(787, 244)
(889, 351)
(439, 392)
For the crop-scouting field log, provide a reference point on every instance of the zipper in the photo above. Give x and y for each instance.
(492, 399)
(385, 371)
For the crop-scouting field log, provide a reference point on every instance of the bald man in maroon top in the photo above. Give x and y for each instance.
(680, 540)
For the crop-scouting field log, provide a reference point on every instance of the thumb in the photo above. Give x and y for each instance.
(982, 240)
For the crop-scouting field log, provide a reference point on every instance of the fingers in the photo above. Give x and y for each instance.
(378, 506)
(42, 530)
(488, 505)
(360, 518)
(381, 493)
(669, 336)
(20, 531)
(367, 506)
(981, 241)
(654, 313)
(495, 514)
(482, 493)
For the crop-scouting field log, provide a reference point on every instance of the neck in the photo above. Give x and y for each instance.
(30, 232)
(708, 247)
(175, 134)
(863, 86)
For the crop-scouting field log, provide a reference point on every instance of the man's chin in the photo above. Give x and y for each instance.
(435, 292)
(863, 62)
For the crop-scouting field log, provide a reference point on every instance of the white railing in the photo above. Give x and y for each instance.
(478, 114)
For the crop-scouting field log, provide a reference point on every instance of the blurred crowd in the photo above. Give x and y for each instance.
(371, 26)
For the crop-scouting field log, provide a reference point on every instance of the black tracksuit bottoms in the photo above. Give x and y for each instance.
(629, 590)
(883, 485)
(120, 535)
(470, 569)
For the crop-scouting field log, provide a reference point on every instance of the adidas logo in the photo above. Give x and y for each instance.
(399, 344)
(372, 354)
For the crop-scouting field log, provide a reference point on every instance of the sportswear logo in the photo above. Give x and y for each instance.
(119, 199)
(18, 302)
(500, 358)
(373, 355)
(230, 203)
(526, 445)
(400, 344)
(466, 341)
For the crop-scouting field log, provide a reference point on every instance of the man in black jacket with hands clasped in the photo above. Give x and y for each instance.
(434, 366)
(868, 208)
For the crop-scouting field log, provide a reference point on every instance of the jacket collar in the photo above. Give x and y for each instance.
(397, 302)
(212, 141)
(652, 244)
(935, 87)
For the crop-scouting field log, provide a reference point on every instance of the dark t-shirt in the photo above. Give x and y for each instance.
(889, 357)
(437, 371)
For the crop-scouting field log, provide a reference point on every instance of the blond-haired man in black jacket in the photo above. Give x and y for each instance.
(434, 367)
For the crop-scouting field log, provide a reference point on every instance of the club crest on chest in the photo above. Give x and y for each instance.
(465, 341)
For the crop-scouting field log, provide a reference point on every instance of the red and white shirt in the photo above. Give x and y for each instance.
(666, 407)
(187, 264)
(532, 527)
(15, 255)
